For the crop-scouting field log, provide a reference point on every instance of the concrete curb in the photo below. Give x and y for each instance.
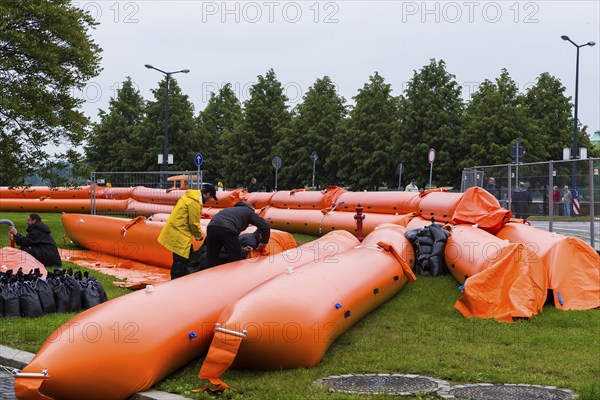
(19, 359)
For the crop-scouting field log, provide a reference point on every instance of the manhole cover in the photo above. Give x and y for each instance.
(487, 391)
(396, 384)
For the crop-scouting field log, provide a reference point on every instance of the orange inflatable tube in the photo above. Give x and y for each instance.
(440, 206)
(573, 266)
(258, 199)
(379, 202)
(292, 319)
(136, 239)
(314, 222)
(129, 343)
(141, 208)
(156, 196)
(36, 192)
(118, 237)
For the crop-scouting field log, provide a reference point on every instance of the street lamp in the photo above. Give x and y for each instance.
(575, 149)
(165, 162)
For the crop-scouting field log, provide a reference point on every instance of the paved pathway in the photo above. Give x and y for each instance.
(7, 391)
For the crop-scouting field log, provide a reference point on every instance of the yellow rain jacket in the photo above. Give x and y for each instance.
(183, 223)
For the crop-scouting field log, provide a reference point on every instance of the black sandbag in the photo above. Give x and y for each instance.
(45, 293)
(429, 244)
(425, 238)
(62, 293)
(97, 285)
(90, 296)
(437, 259)
(11, 307)
(62, 297)
(412, 235)
(29, 300)
(74, 288)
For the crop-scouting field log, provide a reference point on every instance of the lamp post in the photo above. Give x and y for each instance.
(165, 160)
(574, 156)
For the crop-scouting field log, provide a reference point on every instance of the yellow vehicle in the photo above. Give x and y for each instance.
(183, 182)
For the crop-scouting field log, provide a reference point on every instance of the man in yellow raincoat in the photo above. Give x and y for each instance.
(182, 225)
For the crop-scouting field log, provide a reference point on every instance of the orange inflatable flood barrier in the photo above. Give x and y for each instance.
(36, 192)
(502, 280)
(573, 266)
(136, 239)
(292, 319)
(129, 343)
(316, 223)
(63, 205)
(119, 237)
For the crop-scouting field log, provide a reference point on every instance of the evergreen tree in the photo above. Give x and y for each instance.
(362, 156)
(183, 138)
(114, 144)
(432, 113)
(249, 148)
(552, 111)
(46, 54)
(495, 118)
(316, 121)
(220, 116)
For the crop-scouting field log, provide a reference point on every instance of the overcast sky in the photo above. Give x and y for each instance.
(302, 41)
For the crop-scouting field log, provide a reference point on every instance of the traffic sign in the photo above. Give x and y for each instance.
(313, 156)
(400, 169)
(198, 159)
(276, 162)
(431, 156)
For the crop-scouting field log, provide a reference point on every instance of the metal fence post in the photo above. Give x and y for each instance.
(592, 202)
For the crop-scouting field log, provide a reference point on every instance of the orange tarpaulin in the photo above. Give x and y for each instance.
(573, 266)
(477, 206)
(502, 280)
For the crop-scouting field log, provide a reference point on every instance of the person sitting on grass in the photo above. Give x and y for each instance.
(38, 242)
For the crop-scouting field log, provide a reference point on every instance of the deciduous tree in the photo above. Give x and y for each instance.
(46, 54)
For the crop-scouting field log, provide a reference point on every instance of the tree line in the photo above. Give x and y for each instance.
(46, 52)
(359, 146)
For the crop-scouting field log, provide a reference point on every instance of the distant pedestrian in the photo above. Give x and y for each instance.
(491, 187)
(252, 185)
(556, 199)
(522, 202)
(412, 186)
(567, 200)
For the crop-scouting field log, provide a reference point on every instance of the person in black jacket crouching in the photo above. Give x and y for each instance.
(224, 229)
(38, 242)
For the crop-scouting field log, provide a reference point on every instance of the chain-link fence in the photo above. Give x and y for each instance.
(549, 184)
(138, 193)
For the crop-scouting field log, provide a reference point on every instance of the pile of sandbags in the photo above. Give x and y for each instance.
(29, 295)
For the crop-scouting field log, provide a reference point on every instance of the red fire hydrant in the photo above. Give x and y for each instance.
(359, 217)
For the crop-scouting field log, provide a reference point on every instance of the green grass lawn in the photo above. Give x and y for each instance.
(418, 331)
